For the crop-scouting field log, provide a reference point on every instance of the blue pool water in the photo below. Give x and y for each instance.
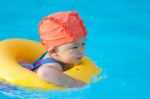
(118, 41)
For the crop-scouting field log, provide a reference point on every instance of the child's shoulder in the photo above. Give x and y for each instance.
(54, 63)
(50, 62)
(47, 59)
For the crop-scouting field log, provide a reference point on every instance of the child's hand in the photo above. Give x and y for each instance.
(79, 84)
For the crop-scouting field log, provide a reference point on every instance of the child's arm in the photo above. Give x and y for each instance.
(54, 74)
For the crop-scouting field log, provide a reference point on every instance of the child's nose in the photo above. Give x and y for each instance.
(81, 49)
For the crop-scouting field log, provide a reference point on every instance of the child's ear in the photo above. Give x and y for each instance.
(52, 52)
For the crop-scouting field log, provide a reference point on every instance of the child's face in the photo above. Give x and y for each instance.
(71, 53)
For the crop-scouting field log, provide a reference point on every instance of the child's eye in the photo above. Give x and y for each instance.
(83, 44)
(75, 47)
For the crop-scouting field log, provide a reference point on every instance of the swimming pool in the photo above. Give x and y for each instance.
(118, 41)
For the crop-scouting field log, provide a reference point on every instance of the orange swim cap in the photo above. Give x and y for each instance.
(61, 28)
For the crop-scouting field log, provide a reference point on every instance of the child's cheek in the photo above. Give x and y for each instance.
(73, 51)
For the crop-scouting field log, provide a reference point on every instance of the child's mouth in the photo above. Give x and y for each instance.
(79, 58)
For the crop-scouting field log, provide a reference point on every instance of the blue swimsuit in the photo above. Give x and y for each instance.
(39, 62)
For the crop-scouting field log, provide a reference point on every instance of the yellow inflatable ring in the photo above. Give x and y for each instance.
(13, 73)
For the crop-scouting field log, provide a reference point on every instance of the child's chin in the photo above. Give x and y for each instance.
(77, 62)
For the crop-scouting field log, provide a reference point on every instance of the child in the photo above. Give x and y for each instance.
(62, 34)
